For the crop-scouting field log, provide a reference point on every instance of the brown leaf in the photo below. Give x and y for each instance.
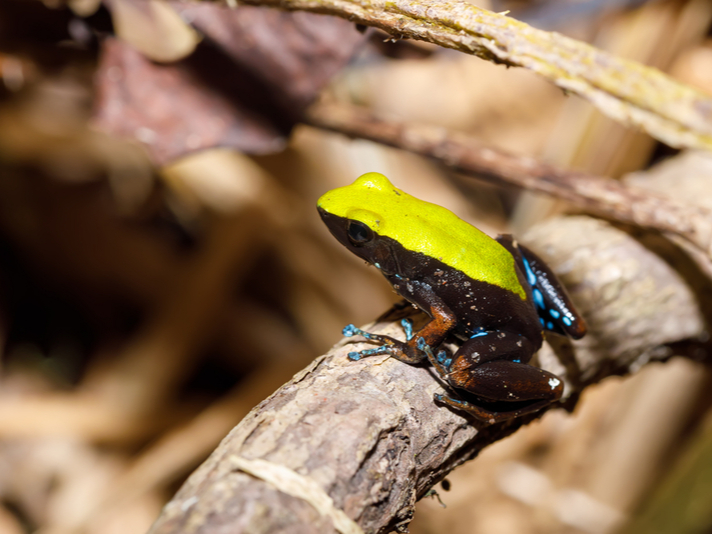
(245, 86)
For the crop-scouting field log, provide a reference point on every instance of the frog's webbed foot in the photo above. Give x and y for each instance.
(398, 349)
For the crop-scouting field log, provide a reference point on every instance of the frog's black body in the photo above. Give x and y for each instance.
(501, 330)
(478, 306)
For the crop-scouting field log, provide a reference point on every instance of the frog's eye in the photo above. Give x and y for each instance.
(359, 233)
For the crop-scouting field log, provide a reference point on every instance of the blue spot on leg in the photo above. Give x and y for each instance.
(530, 275)
(566, 321)
(555, 314)
(538, 298)
(478, 334)
(444, 360)
(407, 325)
(427, 349)
(422, 345)
(550, 325)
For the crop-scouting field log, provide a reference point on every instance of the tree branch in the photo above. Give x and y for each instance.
(622, 89)
(603, 196)
(365, 438)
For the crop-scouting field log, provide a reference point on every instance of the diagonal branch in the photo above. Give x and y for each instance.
(365, 439)
(622, 89)
(603, 196)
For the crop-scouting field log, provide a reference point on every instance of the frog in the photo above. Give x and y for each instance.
(493, 296)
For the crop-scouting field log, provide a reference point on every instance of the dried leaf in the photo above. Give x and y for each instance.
(294, 53)
(244, 87)
(168, 109)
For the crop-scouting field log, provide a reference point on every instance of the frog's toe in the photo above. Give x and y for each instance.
(444, 358)
(356, 356)
(351, 330)
(423, 346)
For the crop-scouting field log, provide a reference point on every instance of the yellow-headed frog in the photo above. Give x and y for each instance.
(495, 295)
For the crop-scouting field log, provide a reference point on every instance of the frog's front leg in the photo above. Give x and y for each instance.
(432, 334)
(493, 367)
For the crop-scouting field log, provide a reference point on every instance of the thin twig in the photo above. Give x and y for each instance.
(603, 196)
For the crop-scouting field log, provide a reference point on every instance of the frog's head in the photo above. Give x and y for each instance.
(396, 232)
(356, 216)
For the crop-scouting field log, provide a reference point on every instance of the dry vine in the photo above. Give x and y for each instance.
(622, 89)
(603, 196)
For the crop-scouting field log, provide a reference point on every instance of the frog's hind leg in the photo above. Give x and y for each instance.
(493, 366)
(514, 388)
(553, 304)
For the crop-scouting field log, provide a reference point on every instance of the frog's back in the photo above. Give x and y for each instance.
(427, 228)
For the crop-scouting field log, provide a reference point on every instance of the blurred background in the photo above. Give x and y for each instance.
(163, 268)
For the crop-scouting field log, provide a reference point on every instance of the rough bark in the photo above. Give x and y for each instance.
(368, 435)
